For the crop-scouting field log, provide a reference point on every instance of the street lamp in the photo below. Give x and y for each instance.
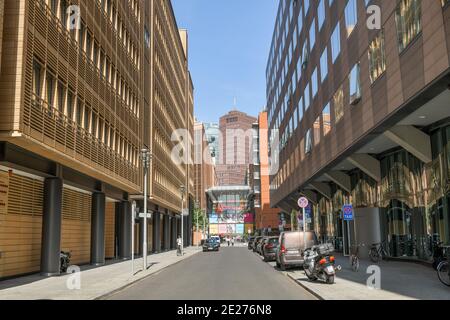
(146, 158)
(196, 213)
(182, 191)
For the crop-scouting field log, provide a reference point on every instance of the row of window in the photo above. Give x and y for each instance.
(62, 99)
(376, 57)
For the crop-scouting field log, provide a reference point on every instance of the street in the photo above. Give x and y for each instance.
(232, 273)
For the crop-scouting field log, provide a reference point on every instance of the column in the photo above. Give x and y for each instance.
(51, 227)
(98, 229)
(125, 230)
(156, 232)
(166, 232)
(173, 228)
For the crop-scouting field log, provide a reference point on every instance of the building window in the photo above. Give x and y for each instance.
(70, 102)
(308, 142)
(338, 104)
(37, 72)
(314, 84)
(321, 13)
(324, 65)
(355, 85)
(317, 131)
(50, 80)
(335, 43)
(408, 20)
(445, 2)
(377, 57)
(312, 35)
(326, 119)
(61, 97)
(351, 16)
(307, 97)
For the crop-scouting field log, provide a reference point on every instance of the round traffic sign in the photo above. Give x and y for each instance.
(302, 202)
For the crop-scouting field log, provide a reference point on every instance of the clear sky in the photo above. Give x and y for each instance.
(229, 42)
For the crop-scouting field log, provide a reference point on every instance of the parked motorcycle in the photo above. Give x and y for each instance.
(64, 258)
(320, 264)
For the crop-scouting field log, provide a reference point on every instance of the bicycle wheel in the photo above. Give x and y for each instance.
(444, 273)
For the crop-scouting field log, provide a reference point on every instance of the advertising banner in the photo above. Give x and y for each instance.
(248, 218)
(249, 227)
(213, 218)
(214, 229)
(240, 228)
(222, 228)
(231, 228)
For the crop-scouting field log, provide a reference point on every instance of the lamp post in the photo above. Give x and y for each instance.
(146, 158)
(182, 191)
(196, 214)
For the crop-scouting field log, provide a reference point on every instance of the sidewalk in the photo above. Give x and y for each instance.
(95, 282)
(399, 281)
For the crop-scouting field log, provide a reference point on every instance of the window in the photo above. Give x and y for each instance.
(307, 97)
(338, 104)
(70, 101)
(351, 16)
(445, 2)
(407, 17)
(61, 97)
(37, 72)
(79, 116)
(321, 13)
(305, 55)
(87, 118)
(50, 89)
(308, 142)
(355, 85)
(317, 131)
(335, 43)
(324, 65)
(314, 84)
(312, 35)
(326, 119)
(377, 57)
(300, 109)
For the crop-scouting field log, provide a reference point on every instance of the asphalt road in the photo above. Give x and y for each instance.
(230, 274)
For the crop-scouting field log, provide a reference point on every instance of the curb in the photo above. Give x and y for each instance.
(130, 284)
(305, 287)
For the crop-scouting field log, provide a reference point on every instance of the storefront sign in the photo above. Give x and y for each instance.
(348, 212)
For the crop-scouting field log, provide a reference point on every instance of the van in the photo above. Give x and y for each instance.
(291, 248)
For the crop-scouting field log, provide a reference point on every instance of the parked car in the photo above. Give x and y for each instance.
(260, 245)
(250, 242)
(291, 248)
(256, 242)
(270, 248)
(211, 244)
(216, 238)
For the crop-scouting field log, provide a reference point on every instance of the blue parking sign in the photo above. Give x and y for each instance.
(348, 212)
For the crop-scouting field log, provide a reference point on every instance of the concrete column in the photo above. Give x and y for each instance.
(98, 229)
(156, 232)
(173, 233)
(125, 230)
(166, 232)
(51, 227)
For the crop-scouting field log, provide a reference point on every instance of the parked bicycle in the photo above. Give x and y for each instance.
(378, 252)
(354, 257)
(443, 269)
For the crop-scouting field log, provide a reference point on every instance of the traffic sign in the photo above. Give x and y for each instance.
(348, 212)
(302, 202)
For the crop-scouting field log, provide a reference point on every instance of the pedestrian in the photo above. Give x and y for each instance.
(232, 241)
(228, 241)
(179, 245)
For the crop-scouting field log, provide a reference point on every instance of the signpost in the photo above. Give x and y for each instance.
(303, 204)
(348, 216)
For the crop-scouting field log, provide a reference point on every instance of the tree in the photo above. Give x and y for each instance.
(200, 214)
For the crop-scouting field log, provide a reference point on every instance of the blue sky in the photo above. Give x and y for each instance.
(229, 44)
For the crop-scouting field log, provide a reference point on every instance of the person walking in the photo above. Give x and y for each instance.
(228, 241)
(232, 241)
(179, 245)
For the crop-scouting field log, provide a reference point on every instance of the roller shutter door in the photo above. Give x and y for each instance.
(76, 226)
(21, 200)
(110, 225)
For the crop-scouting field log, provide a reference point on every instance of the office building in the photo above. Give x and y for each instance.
(362, 112)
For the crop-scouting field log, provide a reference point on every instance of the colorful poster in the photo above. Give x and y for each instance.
(249, 228)
(213, 229)
(231, 228)
(213, 218)
(240, 228)
(222, 228)
(248, 218)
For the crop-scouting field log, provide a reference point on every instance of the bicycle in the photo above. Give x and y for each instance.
(354, 257)
(443, 269)
(378, 252)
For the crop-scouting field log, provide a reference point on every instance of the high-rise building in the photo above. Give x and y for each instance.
(84, 86)
(363, 116)
(235, 148)
(267, 219)
(204, 169)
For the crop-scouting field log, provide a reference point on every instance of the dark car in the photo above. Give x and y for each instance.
(211, 245)
(269, 249)
(256, 242)
(250, 242)
(261, 244)
(291, 247)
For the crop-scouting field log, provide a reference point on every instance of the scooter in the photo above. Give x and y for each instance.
(64, 261)
(319, 264)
